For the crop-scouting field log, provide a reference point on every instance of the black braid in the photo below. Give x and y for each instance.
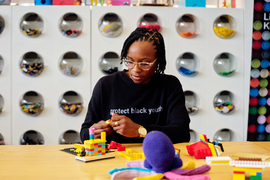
(150, 35)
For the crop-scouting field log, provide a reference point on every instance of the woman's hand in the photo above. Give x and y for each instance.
(124, 126)
(102, 126)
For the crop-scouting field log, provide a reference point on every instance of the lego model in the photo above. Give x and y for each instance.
(92, 149)
(204, 148)
(253, 167)
(95, 147)
(218, 160)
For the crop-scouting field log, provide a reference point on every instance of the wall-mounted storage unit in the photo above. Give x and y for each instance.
(63, 36)
(52, 57)
(5, 74)
(207, 84)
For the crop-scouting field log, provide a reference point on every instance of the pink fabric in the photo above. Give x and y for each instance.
(130, 174)
(173, 176)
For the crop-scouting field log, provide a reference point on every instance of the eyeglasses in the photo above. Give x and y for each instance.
(142, 65)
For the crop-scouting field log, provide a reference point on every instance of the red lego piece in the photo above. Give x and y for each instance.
(122, 148)
(115, 145)
(199, 149)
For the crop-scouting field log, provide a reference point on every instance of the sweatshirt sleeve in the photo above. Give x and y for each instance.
(177, 122)
(93, 113)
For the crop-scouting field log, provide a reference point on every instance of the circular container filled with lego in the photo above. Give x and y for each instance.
(187, 26)
(187, 64)
(32, 103)
(2, 24)
(191, 102)
(32, 64)
(2, 103)
(71, 64)
(110, 63)
(32, 137)
(69, 137)
(224, 102)
(223, 135)
(225, 64)
(31, 25)
(110, 25)
(150, 21)
(71, 103)
(1, 64)
(71, 25)
(224, 26)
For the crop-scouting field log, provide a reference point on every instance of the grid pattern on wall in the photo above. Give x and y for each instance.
(94, 48)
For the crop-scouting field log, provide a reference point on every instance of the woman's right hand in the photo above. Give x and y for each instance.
(102, 126)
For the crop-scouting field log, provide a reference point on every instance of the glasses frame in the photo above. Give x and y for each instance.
(138, 63)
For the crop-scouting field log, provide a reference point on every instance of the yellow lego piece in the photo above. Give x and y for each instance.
(238, 176)
(126, 156)
(129, 151)
(78, 147)
(202, 138)
(212, 148)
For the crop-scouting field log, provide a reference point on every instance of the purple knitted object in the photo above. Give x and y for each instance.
(159, 153)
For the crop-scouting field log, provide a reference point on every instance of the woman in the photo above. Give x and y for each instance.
(140, 99)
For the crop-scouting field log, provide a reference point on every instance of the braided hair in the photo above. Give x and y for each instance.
(150, 35)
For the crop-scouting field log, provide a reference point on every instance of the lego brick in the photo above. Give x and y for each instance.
(255, 177)
(218, 160)
(238, 176)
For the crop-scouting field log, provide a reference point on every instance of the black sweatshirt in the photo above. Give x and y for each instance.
(156, 105)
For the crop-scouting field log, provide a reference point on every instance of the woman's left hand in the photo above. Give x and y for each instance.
(124, 126)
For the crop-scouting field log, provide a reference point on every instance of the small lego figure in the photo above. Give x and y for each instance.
(82, 152)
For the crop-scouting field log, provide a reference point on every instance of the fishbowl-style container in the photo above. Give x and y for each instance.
(71, 25)
(187, 26)
(32, 137)
(223, 135)
(71, 103)
(224, 102)
(191, 102)
(110, 25)
(31, 25)
(2, 103)
(1, 64)
(187, 64)
(150, 21)
(2, 24)
(225, 64)
(69, 137)
(71, 64)
(32, 103)
(110, 63)
(32, 64)
(224, 26)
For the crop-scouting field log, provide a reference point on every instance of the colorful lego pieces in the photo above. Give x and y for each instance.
(203, 148)
(95, 147)
(253, 167)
